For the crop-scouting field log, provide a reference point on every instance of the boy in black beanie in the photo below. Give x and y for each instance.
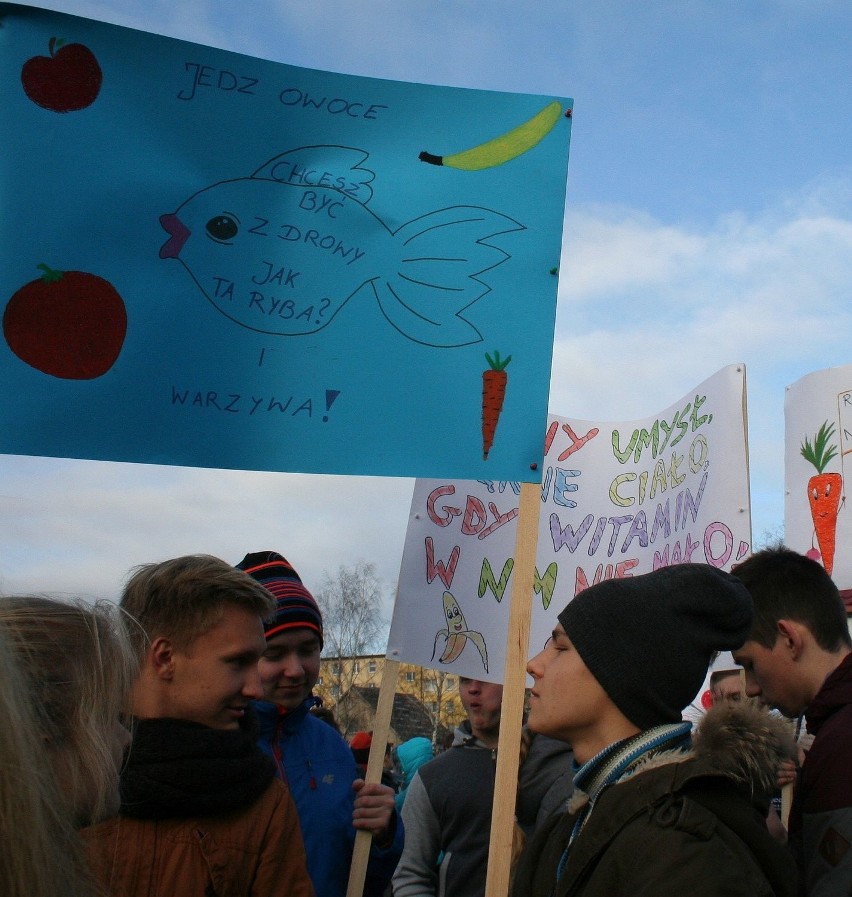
(650, 812)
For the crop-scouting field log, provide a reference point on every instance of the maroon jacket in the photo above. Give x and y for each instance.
(821, 816)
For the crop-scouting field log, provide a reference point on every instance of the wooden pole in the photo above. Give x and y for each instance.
(381, 728)
(511, 715)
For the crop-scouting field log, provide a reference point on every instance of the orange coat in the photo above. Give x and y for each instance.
(255, 852)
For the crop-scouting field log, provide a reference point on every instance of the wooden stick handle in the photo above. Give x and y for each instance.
(381, 728)
(514, 682)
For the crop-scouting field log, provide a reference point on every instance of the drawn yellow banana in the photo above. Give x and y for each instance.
(503, 148)
(455, 646)
(457, 634)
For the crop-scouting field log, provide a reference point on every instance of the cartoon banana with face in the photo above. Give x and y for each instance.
(503, 148)
(457, 634)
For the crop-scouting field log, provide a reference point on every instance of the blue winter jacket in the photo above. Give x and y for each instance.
(317, 764)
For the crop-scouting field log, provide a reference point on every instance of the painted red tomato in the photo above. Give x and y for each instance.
(66, 81)
(67, 324)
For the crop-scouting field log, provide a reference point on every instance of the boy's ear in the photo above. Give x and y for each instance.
(792, 637)
(161, 654)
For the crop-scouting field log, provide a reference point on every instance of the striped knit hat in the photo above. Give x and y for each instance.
(294, 605)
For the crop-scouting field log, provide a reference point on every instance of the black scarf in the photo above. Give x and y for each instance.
(179, 769)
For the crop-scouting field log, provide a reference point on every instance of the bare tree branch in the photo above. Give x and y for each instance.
(351, 604)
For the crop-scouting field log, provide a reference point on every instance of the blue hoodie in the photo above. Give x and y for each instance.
(412, 754)
(317, 764)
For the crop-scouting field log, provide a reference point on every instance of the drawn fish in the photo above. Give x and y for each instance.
(282, 251)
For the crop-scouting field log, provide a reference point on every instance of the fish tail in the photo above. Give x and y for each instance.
(442, 258)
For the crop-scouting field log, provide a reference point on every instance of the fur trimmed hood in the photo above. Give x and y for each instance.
(740, 740)
(745, 742)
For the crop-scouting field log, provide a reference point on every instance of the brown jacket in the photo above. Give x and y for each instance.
(681, 825)
(255, 852)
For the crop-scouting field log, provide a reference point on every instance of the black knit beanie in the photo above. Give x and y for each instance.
(649, 639)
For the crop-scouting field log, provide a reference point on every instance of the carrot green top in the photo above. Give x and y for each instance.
(820, 452)
(495, 363)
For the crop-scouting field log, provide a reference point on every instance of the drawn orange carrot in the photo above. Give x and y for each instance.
(823, 492)
(493, 392)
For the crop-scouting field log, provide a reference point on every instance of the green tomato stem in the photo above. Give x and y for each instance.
(50, 275)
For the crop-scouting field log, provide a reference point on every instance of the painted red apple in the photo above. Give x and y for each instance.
(67, 80)
(67, 324)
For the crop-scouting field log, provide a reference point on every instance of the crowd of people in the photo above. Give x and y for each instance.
(172, 745)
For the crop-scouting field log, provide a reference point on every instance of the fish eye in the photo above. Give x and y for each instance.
(222, 228)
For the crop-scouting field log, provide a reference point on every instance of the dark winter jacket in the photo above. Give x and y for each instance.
(681, 824)
(447, 813)
(546, 782)
(821, 817)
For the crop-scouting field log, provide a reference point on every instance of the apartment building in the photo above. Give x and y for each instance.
(436, 690)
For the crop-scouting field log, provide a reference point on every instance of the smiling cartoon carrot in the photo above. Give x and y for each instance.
(494, 382)
(823, 492)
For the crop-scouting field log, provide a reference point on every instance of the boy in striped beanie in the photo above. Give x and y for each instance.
(295, 606)
(316, 762)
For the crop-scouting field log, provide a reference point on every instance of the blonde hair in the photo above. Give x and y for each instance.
(77, 669)
(185, 597)
(41, 853)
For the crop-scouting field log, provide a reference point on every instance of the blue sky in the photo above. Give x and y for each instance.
(708, 221)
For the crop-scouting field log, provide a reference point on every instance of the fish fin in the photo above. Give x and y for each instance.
(479, 641)
(442, 256)
(332, 167)
(431, 330)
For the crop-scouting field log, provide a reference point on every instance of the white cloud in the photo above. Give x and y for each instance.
(649, 310)
(614, 250)
(77, 527)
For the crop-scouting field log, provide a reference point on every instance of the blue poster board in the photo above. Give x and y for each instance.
(218, 261)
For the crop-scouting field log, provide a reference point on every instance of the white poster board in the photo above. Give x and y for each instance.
(817, 450)
(617, 499)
